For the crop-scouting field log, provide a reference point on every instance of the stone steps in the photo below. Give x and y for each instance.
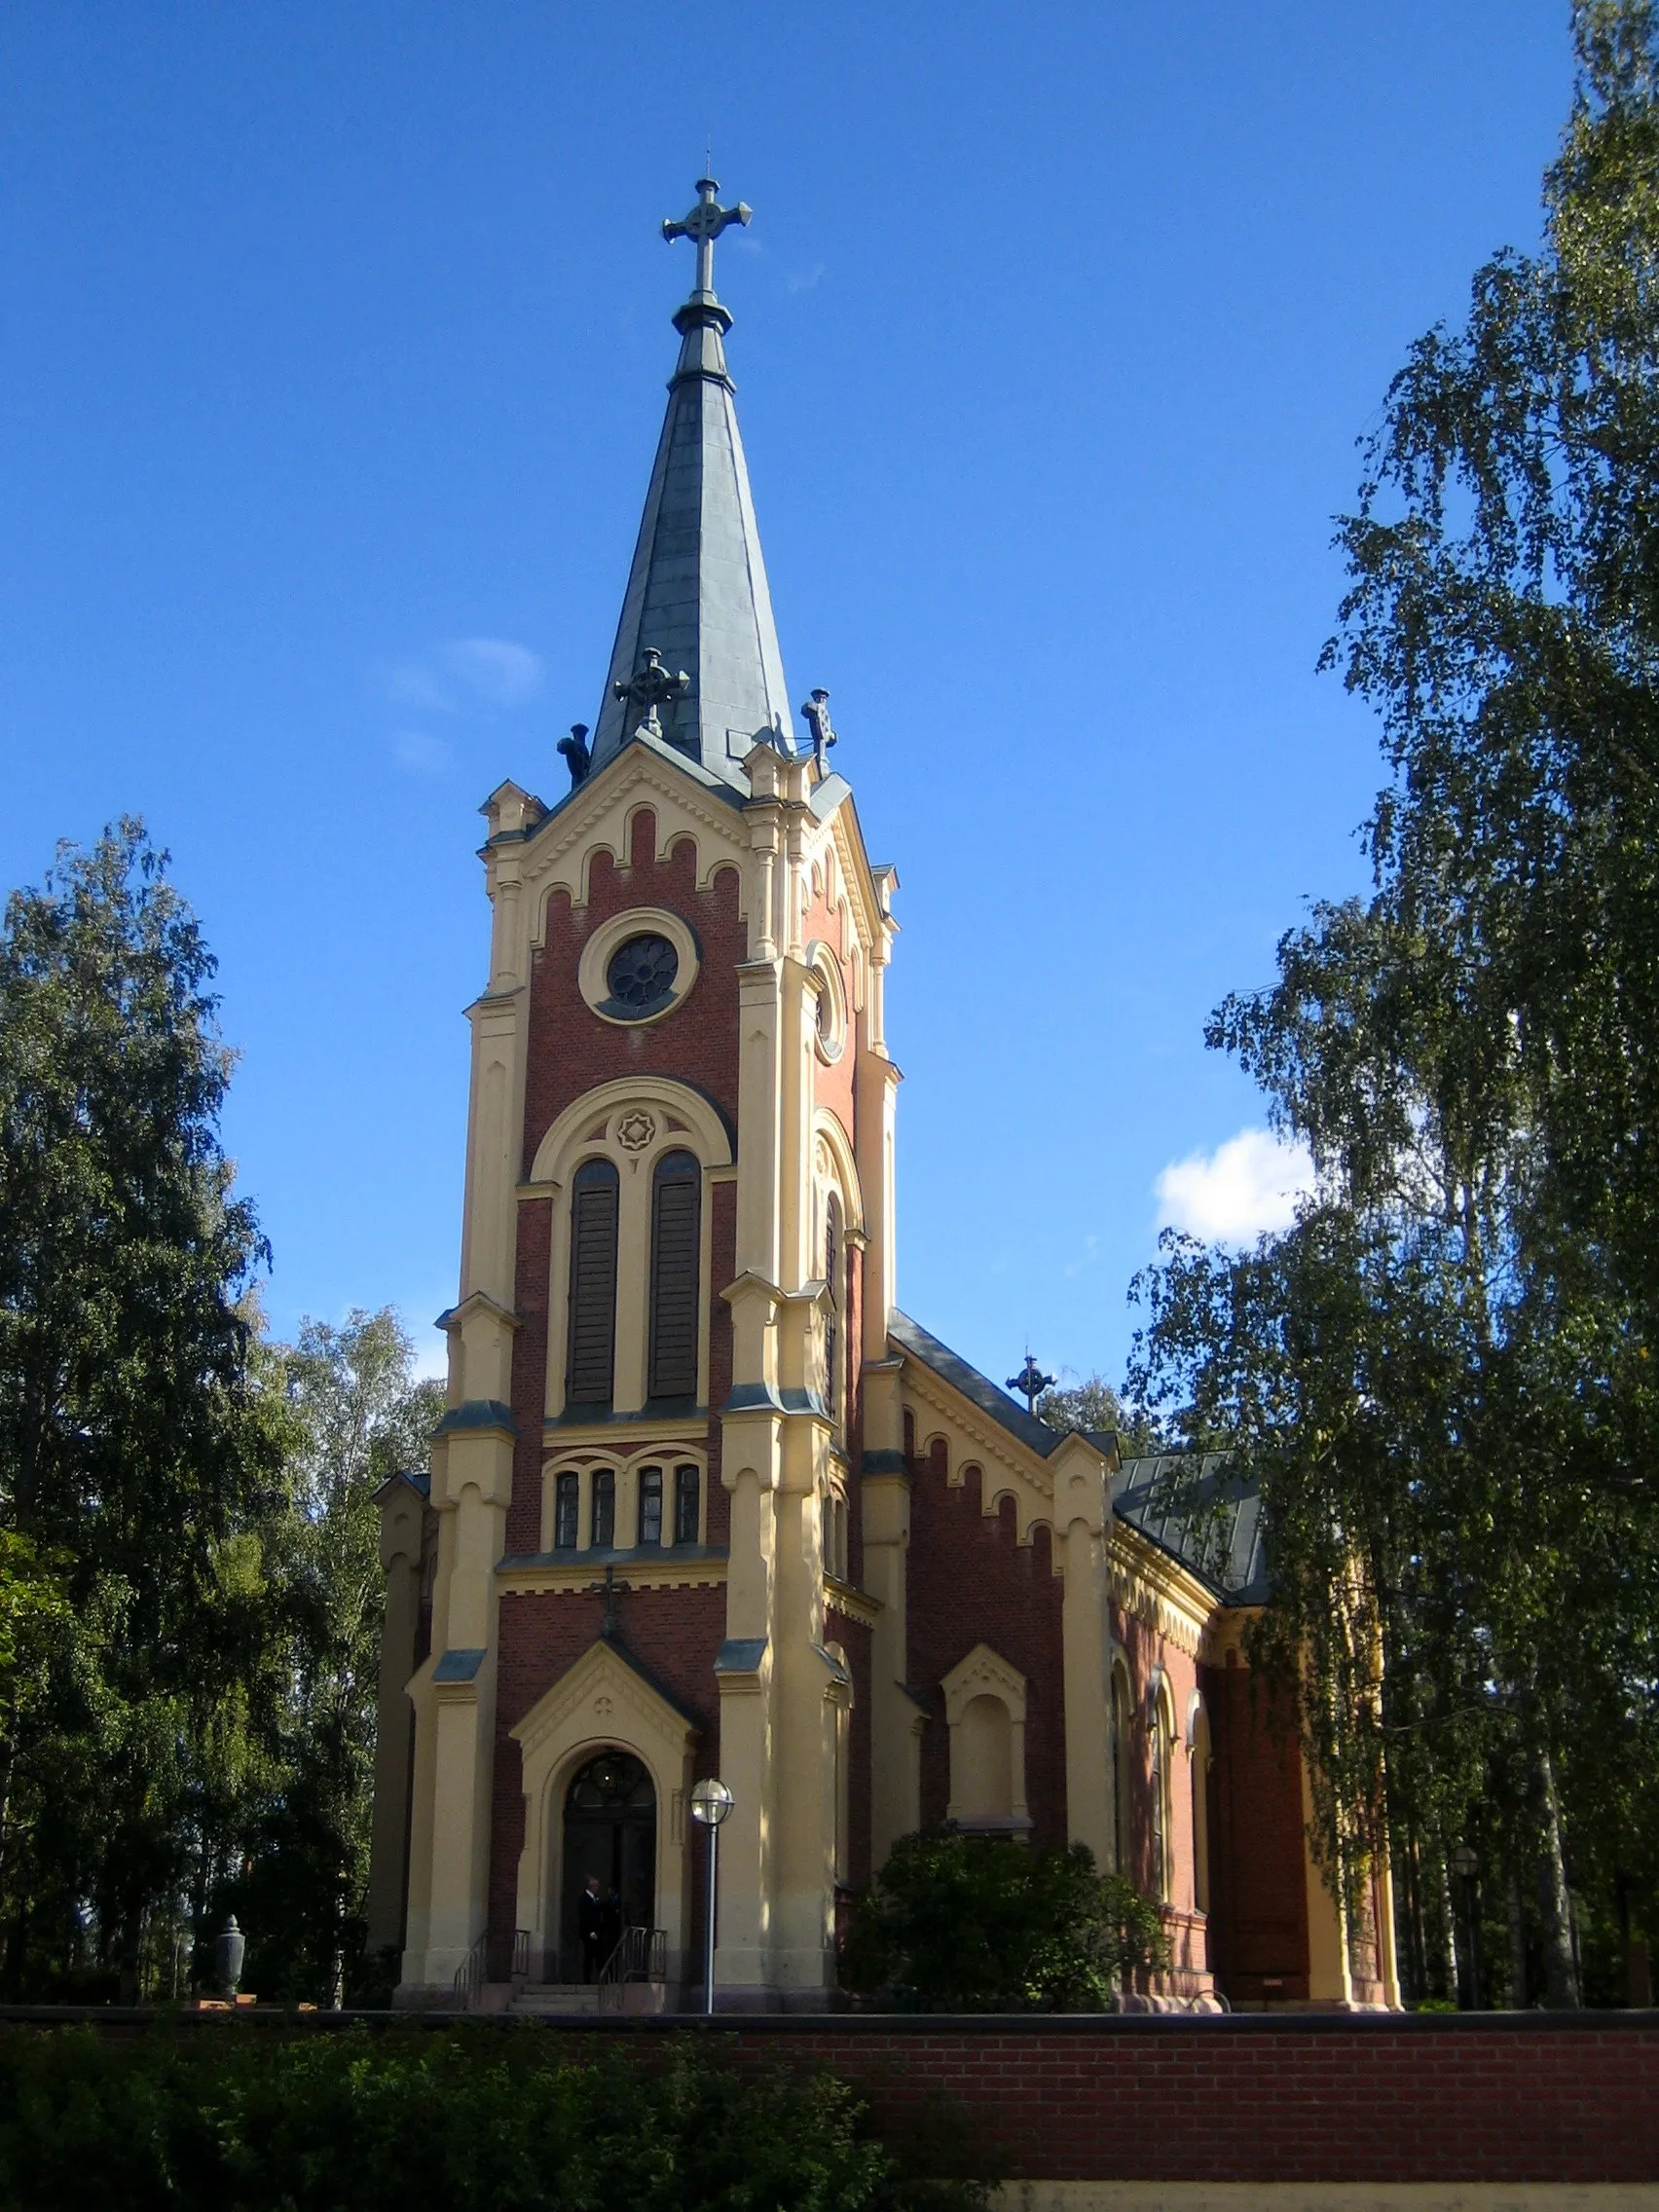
(575, 1998)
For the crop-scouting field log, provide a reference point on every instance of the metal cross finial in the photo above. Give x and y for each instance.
(650, 686)
(705, 223)
(609, 1589)
(1031, 1383)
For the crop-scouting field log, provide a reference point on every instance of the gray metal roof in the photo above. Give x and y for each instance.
(912, 1338)
(1195, 1508)
(697, 590)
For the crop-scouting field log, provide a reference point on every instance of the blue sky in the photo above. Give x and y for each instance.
(333, 340)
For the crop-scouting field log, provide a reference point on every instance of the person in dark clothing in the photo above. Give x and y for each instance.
(592, 1916)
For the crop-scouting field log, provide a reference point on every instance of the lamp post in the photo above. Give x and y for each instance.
(1466, 1865)
(711, 1802)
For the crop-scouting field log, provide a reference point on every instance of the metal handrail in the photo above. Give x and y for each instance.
(521, 1954)
(469, 1975)
(641, 1955)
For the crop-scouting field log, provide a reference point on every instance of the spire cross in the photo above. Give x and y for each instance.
(650, 686)
(704, 224)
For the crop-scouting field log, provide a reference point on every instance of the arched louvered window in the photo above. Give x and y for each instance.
(832, 1321)
(676, 1209)
(591, 1362)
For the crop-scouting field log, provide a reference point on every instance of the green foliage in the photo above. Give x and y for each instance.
(1093, 1404)
(189, 1592)
(480, 2119)
(1443, 1374)
(959, 1923)
(358, 1419)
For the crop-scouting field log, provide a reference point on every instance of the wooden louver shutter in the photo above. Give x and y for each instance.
(590, 1366)
(677, 1207)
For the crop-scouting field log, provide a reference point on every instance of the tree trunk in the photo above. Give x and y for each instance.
(1561, 1967)
(1516, 1946)
(1447, 1932)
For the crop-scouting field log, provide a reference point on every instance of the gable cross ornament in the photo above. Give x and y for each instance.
(704, 224)
(1030, 1382)
(610, 1626)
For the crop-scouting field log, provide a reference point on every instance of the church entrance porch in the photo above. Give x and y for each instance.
(610, 1843)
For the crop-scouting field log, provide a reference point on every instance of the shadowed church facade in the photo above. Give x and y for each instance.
(703, 1499)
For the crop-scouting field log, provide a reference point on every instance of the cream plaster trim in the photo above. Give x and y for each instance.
(637, 921)
(825, 968)
(599, 1703)
(705, 1128)
(1157, 1591)
(598, 818)
(826, 1131)
(616, 1441)
(640, 1573)
(971, 1438)
(852, 1603)
(984, 1672)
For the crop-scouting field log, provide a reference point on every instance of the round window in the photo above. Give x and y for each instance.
(642, 974)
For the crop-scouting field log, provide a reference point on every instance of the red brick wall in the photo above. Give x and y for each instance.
(570, 1050)
(971, 1582)
(1257, 1890)
(1516, 2099)
(674, 1632)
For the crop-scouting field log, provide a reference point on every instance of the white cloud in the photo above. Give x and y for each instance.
(420, 755)
(803, 280)
(500, 673)
(1241, 1191)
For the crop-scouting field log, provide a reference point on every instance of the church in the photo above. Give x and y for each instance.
(705, 1500)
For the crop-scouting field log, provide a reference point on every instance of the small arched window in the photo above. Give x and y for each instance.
(677, 1207)
(651, 1505)
(687, 1504)
(604, 1508)
(1121, 1803)
(833, 1321)
(1161, 1871)
(566, 1498)
(591, 1361)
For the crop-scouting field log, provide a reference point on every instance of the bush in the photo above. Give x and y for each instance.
(976, 1923)
(243, 2118)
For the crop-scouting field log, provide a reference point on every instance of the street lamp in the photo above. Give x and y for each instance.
(1465, 1864)
(711, 1803)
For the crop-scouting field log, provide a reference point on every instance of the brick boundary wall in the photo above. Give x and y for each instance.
(1495, 2097)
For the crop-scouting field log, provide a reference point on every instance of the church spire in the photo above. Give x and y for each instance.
(697, 605)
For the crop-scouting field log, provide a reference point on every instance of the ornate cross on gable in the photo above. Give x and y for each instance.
(1031, 1383)
(609, 1589)
(705, 223)
(650, 686)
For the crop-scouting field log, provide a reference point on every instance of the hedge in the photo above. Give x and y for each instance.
(475, 2117)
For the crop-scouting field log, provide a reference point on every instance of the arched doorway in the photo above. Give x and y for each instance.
(609, 1831)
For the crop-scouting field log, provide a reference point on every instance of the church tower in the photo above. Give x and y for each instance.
(704, 1501)
(676, 1266)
